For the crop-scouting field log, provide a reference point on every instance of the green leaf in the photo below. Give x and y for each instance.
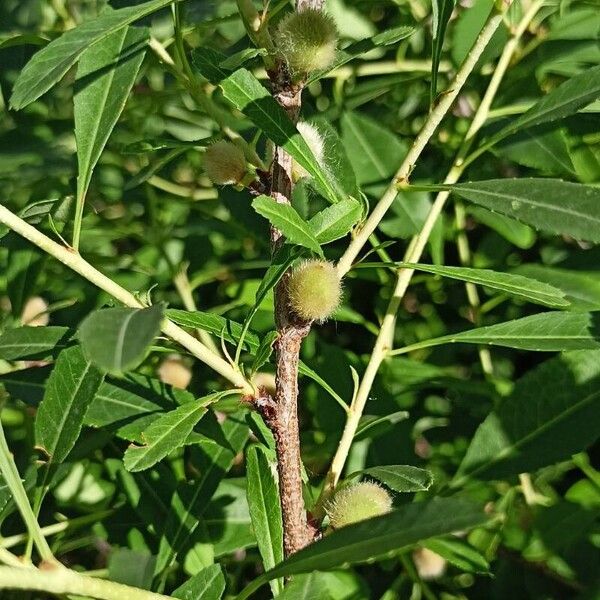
(131, 568)
(515, 285)
(285, 218)
(71, 388)
(264, 351)
(32, 343)
(545, 332)
(565, 100)
(335, 221)
(215, 324)
(548, 204)
(379, 536)
(313, 586)
(167, 433)
(213, 458)
(247, 94)
(516, 233)
(117, 339)
(105, 76)
(458, 553)
(374, 151)
(345, 55)
(582, 289)
(442, 11)
(400, 478)
(552, 413)
(539, 148)
(54, 60)
(208, 584)
(263, 499)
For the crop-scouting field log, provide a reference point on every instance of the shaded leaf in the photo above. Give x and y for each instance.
(117, 339)
(32, 343)
(71, 388)
(442, 11)
(265, 511)
(209, 584)
(548, 204)
(54, 60)
(553, 412)
(458, 553)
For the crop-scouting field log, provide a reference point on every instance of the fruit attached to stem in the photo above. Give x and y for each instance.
(314, 290)
(356, 502)
(225, 163)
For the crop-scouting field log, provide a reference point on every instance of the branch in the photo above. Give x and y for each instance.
(74, 261)
(421, 141)
(415, 249)
(58, 580)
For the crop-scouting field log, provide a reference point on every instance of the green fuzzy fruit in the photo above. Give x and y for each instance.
(357, 502)
(314, 290)
(224, 163)
(307, 40)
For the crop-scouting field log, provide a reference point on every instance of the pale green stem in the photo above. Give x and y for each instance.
(464, 255)
(8, 558)
(59, 580)
(8, 468)
(48, 530)
(421, 141)
(75, 262)
(417, 245)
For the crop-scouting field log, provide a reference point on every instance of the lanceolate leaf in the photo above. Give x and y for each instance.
(166, 434)
(442, 11)
(565, 100)
(229, 330)
(376, 537)
(552, 413)
(551, 331)
(285, 218)
(265, 511)
(70, 389)
(116, 339)
(53, 61)
(522, 287)
(29, 343)
(105, 76)
(212, 461)
(400, 478)
(547, 204)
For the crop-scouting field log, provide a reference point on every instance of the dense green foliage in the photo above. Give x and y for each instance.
(136, 456)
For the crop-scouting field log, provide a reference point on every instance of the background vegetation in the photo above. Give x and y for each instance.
(506, 420)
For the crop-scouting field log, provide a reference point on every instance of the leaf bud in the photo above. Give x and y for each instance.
(314, 290)
(307, 40)
(356, 502)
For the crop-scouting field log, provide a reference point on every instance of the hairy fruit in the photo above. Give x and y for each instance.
(357, 502)
(224, 163)
(314, 290)
(307, 40)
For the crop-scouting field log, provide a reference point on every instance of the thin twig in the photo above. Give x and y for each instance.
(384, 341)
(75, 262)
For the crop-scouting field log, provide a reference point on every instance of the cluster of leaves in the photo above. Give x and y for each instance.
(139, 461)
